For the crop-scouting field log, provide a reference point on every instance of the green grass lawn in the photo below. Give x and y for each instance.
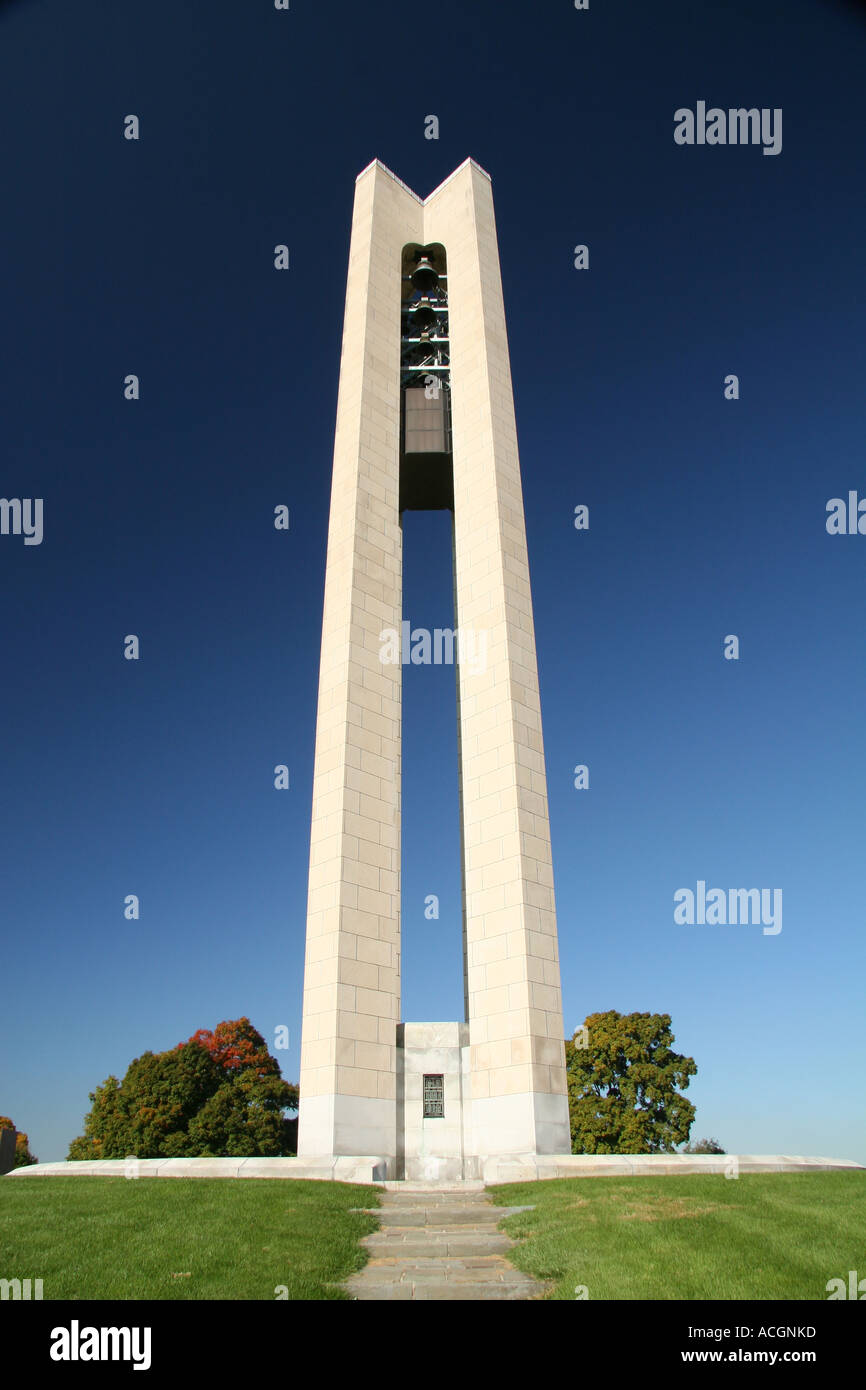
(182, 1238)
(762, 1236)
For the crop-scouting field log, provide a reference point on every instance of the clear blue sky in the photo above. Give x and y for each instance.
(707, 517)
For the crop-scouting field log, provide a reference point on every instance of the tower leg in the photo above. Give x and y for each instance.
(352, 970)
(518, 1084)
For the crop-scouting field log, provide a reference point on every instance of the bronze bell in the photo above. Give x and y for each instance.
(424, 277)
(423, 314)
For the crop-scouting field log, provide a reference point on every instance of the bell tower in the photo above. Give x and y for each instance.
(425, 419)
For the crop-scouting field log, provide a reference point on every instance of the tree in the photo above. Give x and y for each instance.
(148, 1113)
(622, 1086)
(23, 1156)
(704, 1146)
(104, 1125)
(245, 1117)
(236, 1047)
(219, 1093)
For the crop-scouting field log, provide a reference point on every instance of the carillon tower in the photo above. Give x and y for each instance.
(425, 419)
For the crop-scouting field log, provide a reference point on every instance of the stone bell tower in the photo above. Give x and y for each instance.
(425, 419)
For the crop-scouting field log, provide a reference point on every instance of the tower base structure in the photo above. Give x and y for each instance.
(443, 1132)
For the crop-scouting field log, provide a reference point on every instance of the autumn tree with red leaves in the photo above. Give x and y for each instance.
(236, 1046)
(220, 1093)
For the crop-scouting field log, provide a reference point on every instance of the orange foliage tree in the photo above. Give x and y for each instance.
(23, 1156)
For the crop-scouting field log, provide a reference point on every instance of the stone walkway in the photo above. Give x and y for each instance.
(437, 1244)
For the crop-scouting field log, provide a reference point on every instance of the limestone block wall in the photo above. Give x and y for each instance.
(515, 1009)
(352, 969)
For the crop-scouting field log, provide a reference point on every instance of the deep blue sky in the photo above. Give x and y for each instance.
(707, 517)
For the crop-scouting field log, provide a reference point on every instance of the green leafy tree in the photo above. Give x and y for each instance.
(23, 1156)
(219, 1093)
(105, 1127)
(622, 1086)
(704, 1146)
(161, 1093)
(244, 1118)
(148, 1113)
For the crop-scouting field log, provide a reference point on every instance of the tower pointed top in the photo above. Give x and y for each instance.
(374, 163)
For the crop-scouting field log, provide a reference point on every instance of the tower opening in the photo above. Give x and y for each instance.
(426, 467)
(430, 704)
(431, 898)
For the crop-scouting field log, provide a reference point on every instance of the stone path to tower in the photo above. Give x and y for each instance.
(437, 1244)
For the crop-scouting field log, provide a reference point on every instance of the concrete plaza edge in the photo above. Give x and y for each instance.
(371, 1169)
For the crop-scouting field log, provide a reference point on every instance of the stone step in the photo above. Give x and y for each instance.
(450, 1275)
(421, 1202)
(419, 1198)
(398, 1186)
(459, 1245)
(435, 1216)
(486, 1268)
(445, 1292)
(443, 1259)
(433, 1236)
